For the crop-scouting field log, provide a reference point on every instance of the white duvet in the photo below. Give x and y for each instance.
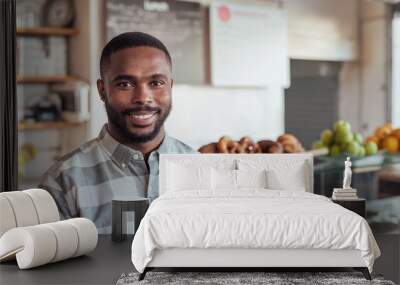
(252, 218)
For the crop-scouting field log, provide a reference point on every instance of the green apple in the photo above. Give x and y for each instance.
(343, 137)
(361, 151)
(358, 138)
(352, 148)
(317, 145)
(343, 147)
(335, 150)
(371, 148)
(327, 137)
(342, 126)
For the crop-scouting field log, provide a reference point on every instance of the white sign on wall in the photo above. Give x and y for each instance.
(249, 45)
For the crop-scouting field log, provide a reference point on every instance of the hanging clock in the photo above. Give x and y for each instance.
(58, 13)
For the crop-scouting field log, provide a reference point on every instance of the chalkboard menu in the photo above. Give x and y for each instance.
(178, 24)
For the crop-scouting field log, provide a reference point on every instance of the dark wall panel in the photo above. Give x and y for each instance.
(8, 101)
(311, 102)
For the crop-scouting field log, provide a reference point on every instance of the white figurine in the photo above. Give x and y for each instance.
(347, 174)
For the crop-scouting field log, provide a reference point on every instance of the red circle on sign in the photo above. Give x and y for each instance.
(224, 13)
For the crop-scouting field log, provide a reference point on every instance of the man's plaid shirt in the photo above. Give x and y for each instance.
(84, 182)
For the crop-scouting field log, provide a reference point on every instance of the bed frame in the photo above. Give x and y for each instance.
(241, 259)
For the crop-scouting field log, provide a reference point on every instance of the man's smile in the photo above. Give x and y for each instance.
(142, 118)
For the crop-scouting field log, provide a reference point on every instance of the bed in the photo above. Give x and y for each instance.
(257, 210)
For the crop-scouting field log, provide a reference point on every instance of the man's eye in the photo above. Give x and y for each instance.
(125, 84)
(157, 83)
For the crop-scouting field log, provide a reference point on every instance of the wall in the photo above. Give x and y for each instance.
(318, 30)
(201, 114)
(350, 94)
(364, 83)
(326, 30)
(356, 33)
(374, 65)
(323, 29)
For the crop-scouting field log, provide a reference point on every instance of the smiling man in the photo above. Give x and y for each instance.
(135, 86)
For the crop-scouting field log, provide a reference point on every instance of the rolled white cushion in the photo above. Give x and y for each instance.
(66, 238)
(37, 245)
(23, 208)
(87, 235)
(45, 205)
(7, 218)
(26, 208)
(33, 246)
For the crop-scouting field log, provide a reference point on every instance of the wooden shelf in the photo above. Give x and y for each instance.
(47, 31)
(47, 125)
(44, 79)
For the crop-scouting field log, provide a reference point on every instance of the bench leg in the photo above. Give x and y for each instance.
(364, 271)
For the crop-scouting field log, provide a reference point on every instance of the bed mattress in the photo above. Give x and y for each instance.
(250, 219)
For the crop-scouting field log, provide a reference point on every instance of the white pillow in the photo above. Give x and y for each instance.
(295, 180)
(282, 174)
(235, 179)
(251, 178)
(224, 179)
(188, 177)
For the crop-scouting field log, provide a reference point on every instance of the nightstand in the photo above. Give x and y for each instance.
(356, 205)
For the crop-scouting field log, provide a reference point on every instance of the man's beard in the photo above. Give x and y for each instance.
(118, 120)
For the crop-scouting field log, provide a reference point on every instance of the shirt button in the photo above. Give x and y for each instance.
(123, 165)
(135, 156)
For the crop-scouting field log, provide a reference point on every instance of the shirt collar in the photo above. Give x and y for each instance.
(123, 154)
(165, 145)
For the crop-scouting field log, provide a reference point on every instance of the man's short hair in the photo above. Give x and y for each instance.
(130, 40)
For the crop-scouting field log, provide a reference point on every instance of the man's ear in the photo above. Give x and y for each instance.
(101, 89)
(172, 83)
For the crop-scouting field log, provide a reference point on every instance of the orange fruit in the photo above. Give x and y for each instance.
(396, 133)
(391, 144)
(382, 132)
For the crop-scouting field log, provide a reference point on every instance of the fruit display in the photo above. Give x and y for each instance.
(286, 143)
(386, 138)
(341, 140)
